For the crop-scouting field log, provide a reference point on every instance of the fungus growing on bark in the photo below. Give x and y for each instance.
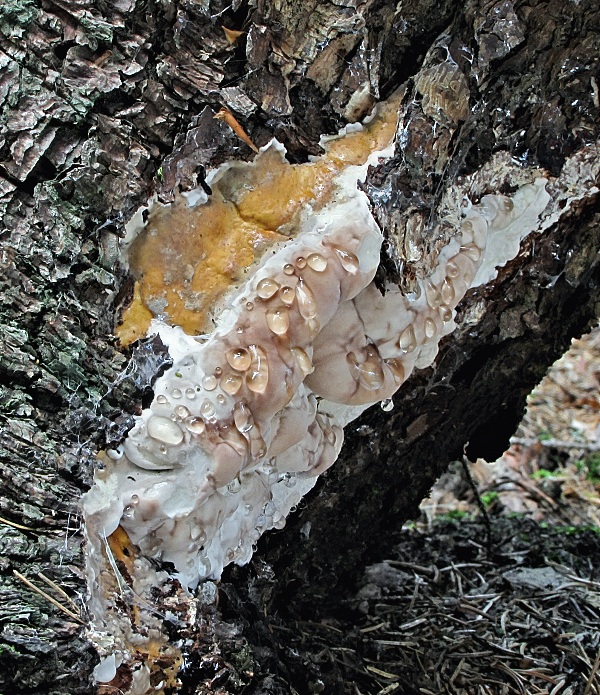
(253, 410)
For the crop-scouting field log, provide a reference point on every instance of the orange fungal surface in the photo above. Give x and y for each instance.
(188, 257)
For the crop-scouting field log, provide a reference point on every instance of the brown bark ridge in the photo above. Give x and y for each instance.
(105, 103)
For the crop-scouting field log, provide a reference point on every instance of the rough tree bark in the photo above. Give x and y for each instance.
(104, 103)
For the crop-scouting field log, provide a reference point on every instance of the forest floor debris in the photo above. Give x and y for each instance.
(449, 612)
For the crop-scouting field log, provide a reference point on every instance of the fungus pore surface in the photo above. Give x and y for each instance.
(264, 295)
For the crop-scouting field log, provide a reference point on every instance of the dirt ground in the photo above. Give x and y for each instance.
(496, 589)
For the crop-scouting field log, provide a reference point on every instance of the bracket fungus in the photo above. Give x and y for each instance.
(279, 337)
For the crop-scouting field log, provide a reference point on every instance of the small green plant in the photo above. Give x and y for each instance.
(455, 515)
(488, 498)
(544, 474)
(590, 465)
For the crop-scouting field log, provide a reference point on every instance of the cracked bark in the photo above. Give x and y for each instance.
(105, 103)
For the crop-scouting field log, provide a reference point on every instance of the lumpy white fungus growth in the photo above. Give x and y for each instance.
(296, 342)
(248, 416)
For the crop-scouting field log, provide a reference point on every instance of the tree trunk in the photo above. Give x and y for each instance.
(104, 104)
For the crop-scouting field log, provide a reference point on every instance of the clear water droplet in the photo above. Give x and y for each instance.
(347, 259)
(239, 359)
(317, 262)
(278, 320)
(266, 288)
(209, 382)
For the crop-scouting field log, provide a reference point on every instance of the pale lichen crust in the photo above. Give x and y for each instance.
(252, 411)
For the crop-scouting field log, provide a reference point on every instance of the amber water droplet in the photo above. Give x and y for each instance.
(433, 294)
(397, 369)
(303, 360)
(347, 259)
(164, 430)
(288, 269)
(447, 292)
(231, 383)
(209, 382)
(317, 262)
(239, 359)
(257, 377)
(313, 326)
(266, 288)
(242, 417)
(195, 425)
(207, 409)
(452, 269)
(307, 305)
(278, 320)
(408, 340)
(249, 306)
(430, 328)
(287, 295)
(182, 411)
(369, 373)
(445, 313)
(162, 400)
(301, 262)
(471, 251)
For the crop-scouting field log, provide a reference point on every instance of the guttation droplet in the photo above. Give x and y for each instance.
(242, 417)
(433, 294)
(317, 262)
(370, 372)
(207, 409)
(430, 328)
(195, 425)
(387, 405)
(257, 377)
(182, 411)
(266, 288)
(452, 269)
(397, 369)
(447, 291)
(287, 295)
(301, 262)
(162, 400)
(445, 313)
(408, 340)
(278, 320)
(303, 360)
(239, 359)
(348, 260)
(231, 383)
(164, 430)
(288, 269)
(307, 305)
(209, 382)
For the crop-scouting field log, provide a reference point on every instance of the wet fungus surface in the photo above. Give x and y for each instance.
(264, 295)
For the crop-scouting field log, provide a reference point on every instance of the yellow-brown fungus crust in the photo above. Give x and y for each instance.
(187, 258)
(122, 548)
